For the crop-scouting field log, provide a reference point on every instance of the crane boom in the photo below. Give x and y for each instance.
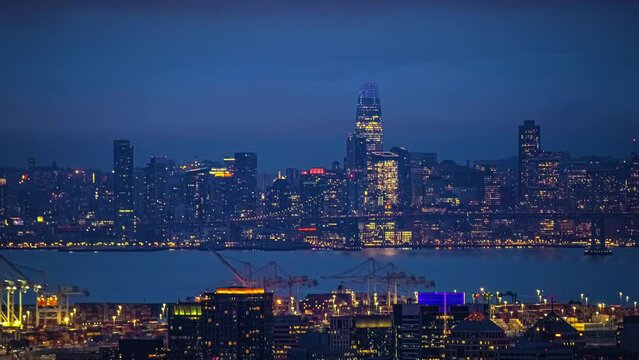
(238, 276)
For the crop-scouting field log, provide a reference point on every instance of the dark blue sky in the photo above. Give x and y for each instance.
(203, 79)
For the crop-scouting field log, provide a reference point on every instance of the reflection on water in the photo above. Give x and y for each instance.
(166, 276)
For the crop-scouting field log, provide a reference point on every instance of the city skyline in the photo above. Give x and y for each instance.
(183, 93)
(319, 180)
(631, 145)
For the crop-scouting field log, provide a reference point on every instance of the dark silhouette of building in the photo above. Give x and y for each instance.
(404, 181)
(123, 189)
(245, 174)
(287, 330)
(633, 183)
(420, 330)
(529, 146)
(140, 349)
(355, 153)
(156, 191)
(185, 334)
(3, 196)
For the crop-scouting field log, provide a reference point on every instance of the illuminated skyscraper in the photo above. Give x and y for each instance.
(373, 337)
(633, 183)
(185, 331)
(238, 324)
(123, 173)
(369, 117)
(529, 146)
(404, 183)
(156, 176)
(544, 188)
(123, 189)
(3, 186)
(383, 183)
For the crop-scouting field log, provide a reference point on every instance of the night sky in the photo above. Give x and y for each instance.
(202, 79)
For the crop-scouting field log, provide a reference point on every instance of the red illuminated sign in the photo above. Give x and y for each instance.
(307, 229)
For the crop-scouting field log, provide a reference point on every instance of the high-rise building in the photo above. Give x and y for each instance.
(238, 324)
(287, 330)
(3, 196)
(404, 182)
(312, 188)
(419, 331)
(221, 184)
(355, 165)
(123, 189)
(123, 173)
(340, 331)
(421, 167)
(529, 146)
(369, 117)
(156, 194)
(195, 194)
(373, 337)
(355, 153)
(492, 185)
(245, 173)
(185, 331)
(383, 183)
(545, 192)
(632, 186)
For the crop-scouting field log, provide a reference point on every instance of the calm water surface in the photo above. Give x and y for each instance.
(166, 276)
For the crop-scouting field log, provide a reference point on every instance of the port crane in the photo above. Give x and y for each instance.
(271, 277)
(50, 306)
(372, 272)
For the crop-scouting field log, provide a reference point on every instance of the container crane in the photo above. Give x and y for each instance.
(271, 276)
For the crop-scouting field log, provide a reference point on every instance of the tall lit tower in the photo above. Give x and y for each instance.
(369, 117)
(245, 172)
(529, 146)
(123, 188)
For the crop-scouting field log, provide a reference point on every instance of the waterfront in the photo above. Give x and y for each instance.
(166, 276)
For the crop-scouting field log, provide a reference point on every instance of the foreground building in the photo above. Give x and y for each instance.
(475, 338)
(238, 324)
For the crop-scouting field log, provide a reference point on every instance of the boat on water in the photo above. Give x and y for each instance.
(597, 251)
